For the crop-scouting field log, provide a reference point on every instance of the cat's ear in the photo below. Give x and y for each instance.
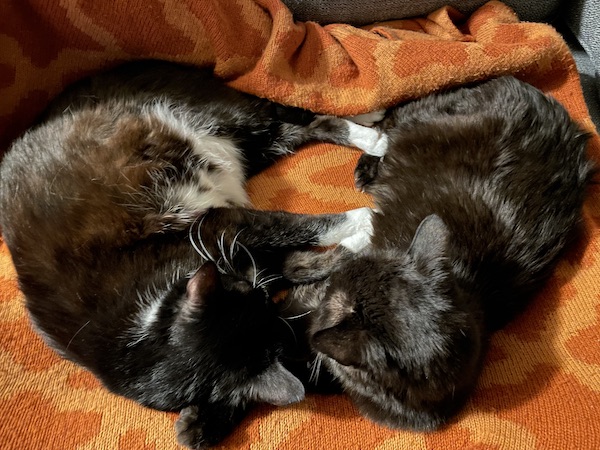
(430, 244)
(202, 285)
(276, 386)
(342, 342)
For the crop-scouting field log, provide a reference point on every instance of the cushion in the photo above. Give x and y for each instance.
(363, 12)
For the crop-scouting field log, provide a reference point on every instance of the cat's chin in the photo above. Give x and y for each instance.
(383, 407)
(397, 415)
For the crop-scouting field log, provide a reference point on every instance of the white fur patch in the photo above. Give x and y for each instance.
(148, 315)
(357, 242)
(149, 304)
(226, 185)
(367, 139)
(358, 221)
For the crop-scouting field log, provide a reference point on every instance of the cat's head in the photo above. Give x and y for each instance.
(394, 331)
(223, 345)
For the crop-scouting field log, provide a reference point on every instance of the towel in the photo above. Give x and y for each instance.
(540, 387)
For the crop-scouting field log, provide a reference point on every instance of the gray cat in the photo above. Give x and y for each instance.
(476, 197)
(135, 246)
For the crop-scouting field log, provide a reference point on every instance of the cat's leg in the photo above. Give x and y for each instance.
(367, 166)
(346, 132)
(372, 142)
(223, 227)
(201, 428)
(306, 266)
(298, 128)
(366, 171)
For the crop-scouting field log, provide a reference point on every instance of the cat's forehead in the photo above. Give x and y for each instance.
(338, 301)
(363, 277)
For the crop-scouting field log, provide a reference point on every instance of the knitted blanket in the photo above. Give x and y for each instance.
(540, 387)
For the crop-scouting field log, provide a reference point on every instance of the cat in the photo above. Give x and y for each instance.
(477, 195)
(133, 239)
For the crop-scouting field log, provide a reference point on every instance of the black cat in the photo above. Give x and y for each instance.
(125, 213)
(478, 194)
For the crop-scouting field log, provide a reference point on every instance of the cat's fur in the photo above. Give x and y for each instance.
(126, 217)
(479, 192)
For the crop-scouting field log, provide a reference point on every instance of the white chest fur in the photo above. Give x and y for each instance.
(219, 181)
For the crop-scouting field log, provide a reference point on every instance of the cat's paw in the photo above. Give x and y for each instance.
(366, 171)
(362, 219)
(369, 140)
(368, 119)
(302, 267)
(357, 242)
(187, 430)
(194, 432)
(352, 222)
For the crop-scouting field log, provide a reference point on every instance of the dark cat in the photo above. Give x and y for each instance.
(127, 220)
(479, 192)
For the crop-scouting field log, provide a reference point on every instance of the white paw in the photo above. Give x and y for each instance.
(360, 220)
(368, 119)
(369, 140)
(357, 221)
(380, 148)
(362, 225)
(357, 242)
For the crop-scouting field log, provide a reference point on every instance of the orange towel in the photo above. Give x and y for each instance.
(541, 384)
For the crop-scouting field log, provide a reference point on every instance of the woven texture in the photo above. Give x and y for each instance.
(540, 387)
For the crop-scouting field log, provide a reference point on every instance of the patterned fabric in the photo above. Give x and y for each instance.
(540, 387)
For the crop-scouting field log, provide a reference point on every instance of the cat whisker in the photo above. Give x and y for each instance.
(221, 245)
(315, 368)
(289, 300)
(298, 316)
(218, 264)
(290, 328)
(266, 280)
(76, 333)
(260, 272)
(199, 234)
(193, 242)
(253, 263)
(232, 247)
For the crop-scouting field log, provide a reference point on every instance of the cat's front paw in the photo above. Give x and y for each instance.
(187, 430)
(363, 223)
(365, 171)
(357, 242)
(301, 267)
(369, 140)
(352, 222)
(194, 432)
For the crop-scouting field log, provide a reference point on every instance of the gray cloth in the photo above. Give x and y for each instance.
(364, 12)
(583, 18)
(588, 74)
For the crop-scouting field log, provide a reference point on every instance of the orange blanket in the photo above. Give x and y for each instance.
(541, 384)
